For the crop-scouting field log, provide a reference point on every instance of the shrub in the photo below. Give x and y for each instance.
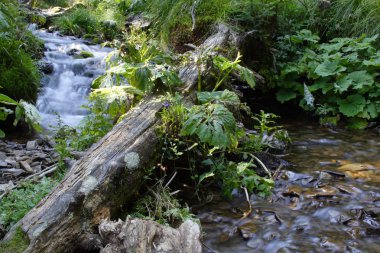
(19, 77)
(330, 79)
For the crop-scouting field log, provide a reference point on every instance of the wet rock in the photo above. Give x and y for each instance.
(347, 188)
(335, 173)
(333, 246)
(45, 67)
(73, 52)
(83, 55)
(248, 230)
(255, 243)
(361, 171)
(293, 191)
(271, 235)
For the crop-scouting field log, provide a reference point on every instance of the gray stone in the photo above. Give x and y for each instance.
(30, 145)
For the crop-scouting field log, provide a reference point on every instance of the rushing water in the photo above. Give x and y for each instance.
(329, 201)
(64, 91)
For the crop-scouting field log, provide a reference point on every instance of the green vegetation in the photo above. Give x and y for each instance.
(331, 79)
(17, 244)
(28, 194)
(19, 75)
(322, 55)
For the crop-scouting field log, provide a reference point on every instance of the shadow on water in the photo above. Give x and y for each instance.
(329, 201)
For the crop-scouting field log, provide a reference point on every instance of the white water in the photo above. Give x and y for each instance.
(64, 92)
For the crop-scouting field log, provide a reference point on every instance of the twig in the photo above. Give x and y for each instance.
(43, 172)
(193, 7)
(171, 179)
(262, 165)
(249, 204)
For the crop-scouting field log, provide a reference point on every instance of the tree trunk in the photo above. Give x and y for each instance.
(106, 177)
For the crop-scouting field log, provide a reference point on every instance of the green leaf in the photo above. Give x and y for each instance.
(247, 75)
(329, 68)
(352, 105)
(205, 175)
(213, 124)
(284, 95)
(4, 99)
(360, 79)
(357, 123)
(2, 134)
(225, 97)
(343, 84)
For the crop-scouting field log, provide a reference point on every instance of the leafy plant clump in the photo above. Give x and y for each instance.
(18, 202)
(331, 79)
(208, 134)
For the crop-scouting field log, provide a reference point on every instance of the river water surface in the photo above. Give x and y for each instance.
(64, 91)
(329, 201)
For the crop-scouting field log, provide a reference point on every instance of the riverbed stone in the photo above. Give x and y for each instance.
(30, 145)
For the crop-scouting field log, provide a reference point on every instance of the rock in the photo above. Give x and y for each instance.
(13, 171)
(25, 165)
(146, 236)
(83, 55)
(12, 162)
(3, 156)
(365, 172)
(257, 244)
(6, 187)
(72, 52)
(45, 67)
(30, 145)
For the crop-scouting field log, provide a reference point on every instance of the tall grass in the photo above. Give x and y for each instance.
(78, 22)
(356, 17)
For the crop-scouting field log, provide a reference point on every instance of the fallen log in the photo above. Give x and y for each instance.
(106, 177)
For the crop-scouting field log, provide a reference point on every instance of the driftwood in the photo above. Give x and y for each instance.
(146, 236)
(105, 178)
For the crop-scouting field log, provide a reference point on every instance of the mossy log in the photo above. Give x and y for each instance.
(107, 176)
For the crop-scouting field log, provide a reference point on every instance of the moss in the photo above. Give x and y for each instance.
(17, 244)
(84, 55)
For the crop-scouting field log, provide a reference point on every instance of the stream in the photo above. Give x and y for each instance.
(64, 91)
(329, 201)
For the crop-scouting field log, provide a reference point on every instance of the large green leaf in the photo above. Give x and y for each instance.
(352, 105)
(360, 79)
(329, 68)
(343, 84)
(247, 75)
(284, 95)
(214, 124)
(225, 97)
